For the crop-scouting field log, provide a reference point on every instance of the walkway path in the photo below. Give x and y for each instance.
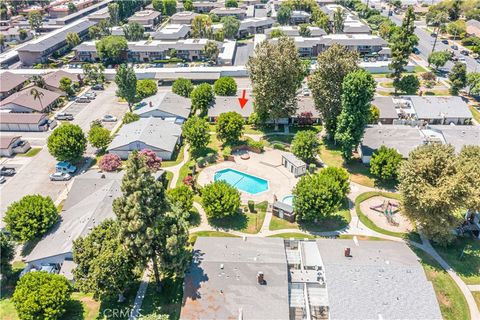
(142, 289)
(176, 168)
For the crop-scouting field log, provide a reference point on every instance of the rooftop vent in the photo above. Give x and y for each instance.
(261, 278)
(347, 253)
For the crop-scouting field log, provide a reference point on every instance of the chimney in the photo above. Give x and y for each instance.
(150, 104)
(260, 278)
(347, 253)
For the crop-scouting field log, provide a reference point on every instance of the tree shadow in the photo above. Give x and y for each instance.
(168, 301)
(238, 221)
(74, 311)
(109, 306)
(194, 218)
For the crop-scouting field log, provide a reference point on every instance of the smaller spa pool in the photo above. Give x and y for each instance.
(242, 181)
(288, 200)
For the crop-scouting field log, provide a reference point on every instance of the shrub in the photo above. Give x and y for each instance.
(384, 163)
(181, 197)
(220, 200)
(67, 143)
(98, 136)
(188, 181)
(279, 146)
(255, 144)
(251, 206)
(305, 145)
(211, 157)
(146, 88)
(151, 159)
(200, 161)
(41, 295)
(429, 76)
(202, 96)
(312, 167)
(30, 217)
(110, 162)
(305, 119)
(225, 86)
(227, 152)
(230, 127)
(130, 117)
(195, 131)
(182, 87)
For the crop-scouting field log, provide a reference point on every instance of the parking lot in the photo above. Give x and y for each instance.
(32, 175)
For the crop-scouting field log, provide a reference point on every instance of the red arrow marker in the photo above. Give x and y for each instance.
(242, 100)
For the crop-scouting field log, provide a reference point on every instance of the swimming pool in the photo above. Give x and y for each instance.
(288, 200)
(242, 181)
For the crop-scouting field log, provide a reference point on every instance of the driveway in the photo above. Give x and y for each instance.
(33, 174)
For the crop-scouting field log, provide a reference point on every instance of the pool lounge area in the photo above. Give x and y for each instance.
(242, 181)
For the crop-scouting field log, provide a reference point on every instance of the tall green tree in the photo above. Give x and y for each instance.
(66, 86)
(126, 81)
(283, 15)
(384, 163)
(182, 87)
(231, 25)
(169, 7)
(231, 4)
(140, 211)
(439, 58)
(196, 133)
(7, 252)
(306, 145)
(94, 73)
(133, 31)
(96, 255)
(112, 49)
(35, 19)
(98, 136)
(67, 143)
(276, 73)
(71, 7)
(468, 168)
(326, 83)
(211, 51)
(188, 5)
(181, 197)
(230, 127)
(402, 44)
(473, 81)
(458, 78)
(225, 86)
(408, 84)
(339, 17)
(220, 200)
(202, 26)
(358, 89)
(72, 39)
(114, 12)
(202, 96)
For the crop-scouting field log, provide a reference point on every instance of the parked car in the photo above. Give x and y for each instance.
(98, 87)
(415, 50)
(453, 58)
(462, 60)
(6, 171)
(445, 41)
(60, 176)
(454, 47)
(66, 167)
(2, 179)
(82, 99)
(433, 34)
(90, 95)
(465, 52)
(64, 116)
(109, 118)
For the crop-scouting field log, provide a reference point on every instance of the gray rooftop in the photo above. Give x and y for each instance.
(399, 137)
(222, 280)
(459, 136)
(290, 157)
(166, 102)
(227, 104)
(154, 132)
(386, 107)
(382, 280)
(430, 107)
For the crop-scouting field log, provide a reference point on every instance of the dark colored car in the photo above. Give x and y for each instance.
(64, 116)
(465, 52)
(98, 87)
(445, 41)
(454, 47)
(415, 50)
(6, 171)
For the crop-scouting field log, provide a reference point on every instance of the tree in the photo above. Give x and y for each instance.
(276, 73)
(373, 115)
(188, 5)
(326, 83)
(303, 30)
(37, 94)
(152, 161)
(211, 51)
(283, 15)
(196, 132)
(182, 87)
(112, 49)
(146, 88)
(458, 78)
(156, 316)
(140, 211)
(340, 176)
(96, 255)
(66, 86)
(7, 253)
(35, 19)
(408, 84)
(202, 96)
(94, 33)
(473, 81)
(468, 168)
(439, 58)
(358, 88)
(316, 196)
(72, 39)
(230, 127)
(169, 7)
(225, 86)
(110, 162)
(67, 143)
(126, 81)
(130, 117)
(277, 33)
(41, 295)
(99, 137)
(30, 217)
(432, 191)
(306, 145)
(201, 26)
(231, 25)
(339, 17)
(402, 43)
(231, 4)
(94, 73)
(133, 31)
(384, 163)
(457, 29)
(71, 7)
(220, 200)
(22, 34)
(114, 12)
(181, 197)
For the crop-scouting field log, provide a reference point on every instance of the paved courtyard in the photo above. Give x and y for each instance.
(266, 165)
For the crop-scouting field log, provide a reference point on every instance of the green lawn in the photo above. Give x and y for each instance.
(437, 92)
(349, 236)
(467, 266)
(81, 307)
(337, 221)
(476, 296)
(386, 84)
(194, 236)
(178, 157)
(451, 300)
(30, 153)
(245, 222)
(475, 113)
(294, 235)
(169, 177)
(7, 309)
(168, 301)
(183, 172)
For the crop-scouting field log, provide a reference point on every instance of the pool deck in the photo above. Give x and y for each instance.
(266, 165)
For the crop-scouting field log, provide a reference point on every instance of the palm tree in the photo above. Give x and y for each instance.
(38, 81)
(37, 95)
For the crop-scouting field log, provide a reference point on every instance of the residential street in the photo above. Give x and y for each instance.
(33, 173)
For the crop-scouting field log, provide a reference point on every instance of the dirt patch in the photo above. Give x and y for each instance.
(385, 213)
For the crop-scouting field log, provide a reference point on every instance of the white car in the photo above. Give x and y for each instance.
(60, 176)
(109, 118)
(2, 179)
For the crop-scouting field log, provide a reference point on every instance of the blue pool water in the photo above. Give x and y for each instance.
(288, 200)
(242, 181)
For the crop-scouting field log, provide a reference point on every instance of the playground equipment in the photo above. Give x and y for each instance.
(388, 209)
